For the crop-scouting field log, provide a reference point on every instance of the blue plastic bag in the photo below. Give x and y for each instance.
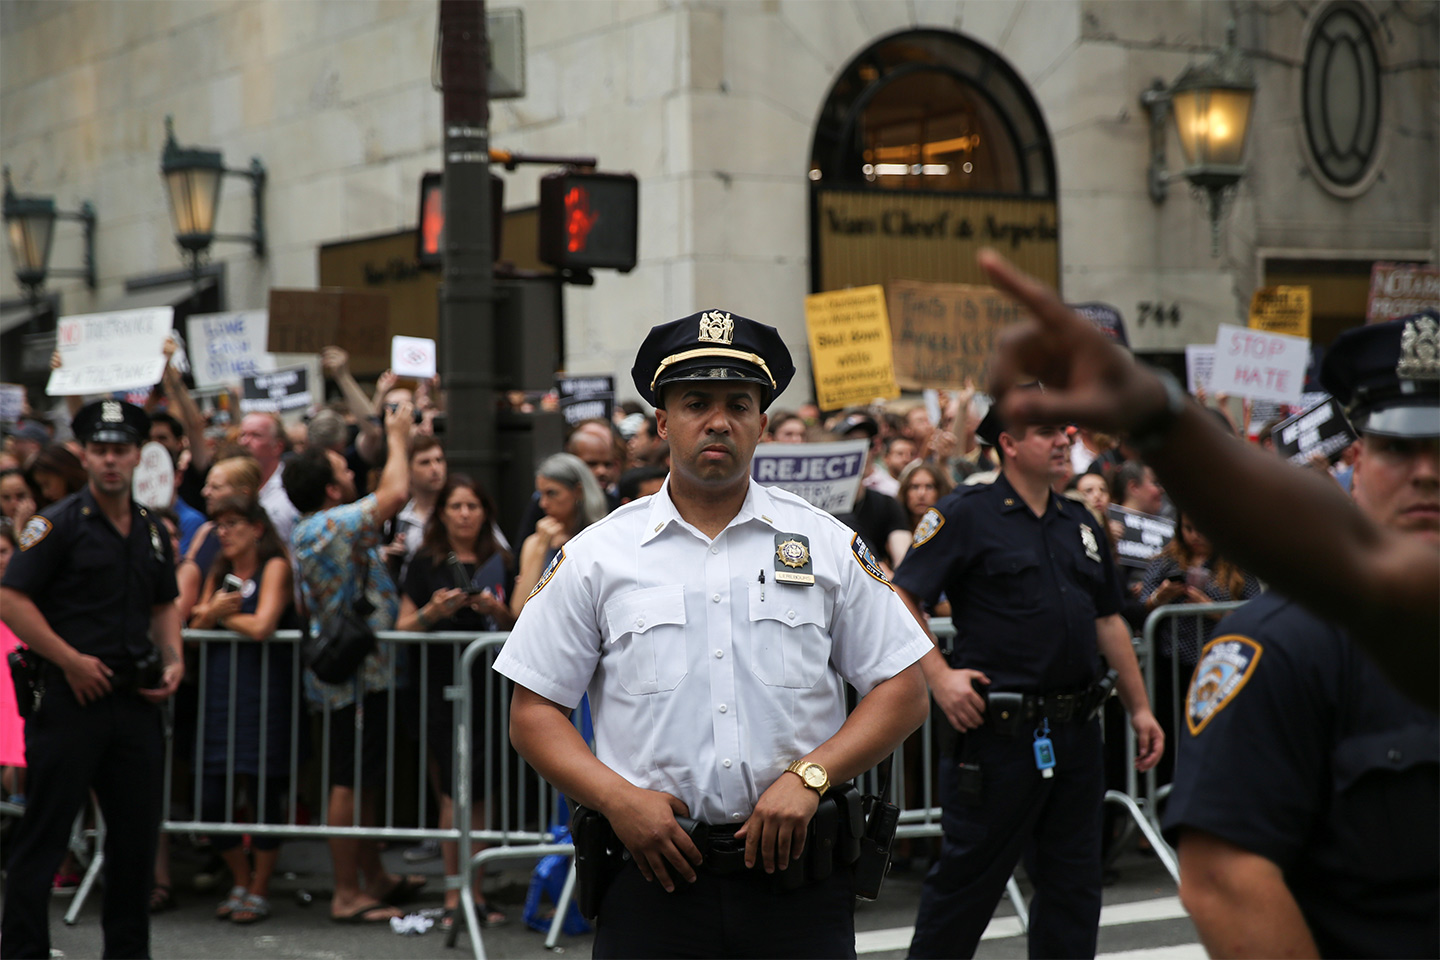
(546, 885)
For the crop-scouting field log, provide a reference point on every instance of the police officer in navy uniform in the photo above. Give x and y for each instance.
(1035, 601)
(1307, 788)
(715, 625)
(91, 591)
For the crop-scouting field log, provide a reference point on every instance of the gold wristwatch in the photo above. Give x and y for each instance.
(812, 774)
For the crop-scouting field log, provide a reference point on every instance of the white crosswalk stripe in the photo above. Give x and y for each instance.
(1139, 911)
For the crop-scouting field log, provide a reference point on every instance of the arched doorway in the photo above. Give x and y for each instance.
(928, 147)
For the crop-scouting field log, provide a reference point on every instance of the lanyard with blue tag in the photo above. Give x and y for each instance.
(1044, 750)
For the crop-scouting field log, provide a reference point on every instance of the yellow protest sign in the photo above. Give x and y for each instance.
(850, 347)
(945, 332)
(1281, 310)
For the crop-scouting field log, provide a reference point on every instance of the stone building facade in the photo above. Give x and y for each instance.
(718, 108)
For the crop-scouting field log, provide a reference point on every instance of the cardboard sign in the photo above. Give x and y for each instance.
(12, 402)
(1143, 535)
(586, 398)
(1321, 428)
(1281, 310)
(827, 475)
(944, 332)
(153, 484)
(284, 390)
(1400, 289)
(104, 352)
(227, 346)
(307, 321)
(412, 357)
(850, 347)
(1199, 367)
(1107, 320)
(1262, 366)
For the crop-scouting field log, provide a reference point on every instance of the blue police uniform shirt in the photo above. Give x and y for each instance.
(96, 589)
(1298, 749)
(1025, 591)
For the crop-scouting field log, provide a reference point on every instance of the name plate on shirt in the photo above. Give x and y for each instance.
(792, 559)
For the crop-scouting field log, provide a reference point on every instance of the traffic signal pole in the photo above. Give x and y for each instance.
(467, 294)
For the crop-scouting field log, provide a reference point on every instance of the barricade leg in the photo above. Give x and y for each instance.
(1017, 900)
(553, 937)
(97, 862)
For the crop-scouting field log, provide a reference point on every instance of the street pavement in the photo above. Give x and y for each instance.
(1142, 918)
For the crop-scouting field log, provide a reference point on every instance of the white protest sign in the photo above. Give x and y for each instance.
(154, 482)
(412, 357)
(12, 402)
(227, 346)
(1258, 365)
(104, 352)
(827, 475)
(1199, 367)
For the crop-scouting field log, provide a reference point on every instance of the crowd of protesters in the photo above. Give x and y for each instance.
(273, 520)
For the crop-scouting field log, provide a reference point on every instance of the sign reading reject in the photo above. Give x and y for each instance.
(1261, 366)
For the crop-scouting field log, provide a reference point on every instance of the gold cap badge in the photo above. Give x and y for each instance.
(716, 327)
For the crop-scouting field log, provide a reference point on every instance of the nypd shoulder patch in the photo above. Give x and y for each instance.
(867, 560)
(928, 526)
(555, 562)
(1226, 664)
(37, 528)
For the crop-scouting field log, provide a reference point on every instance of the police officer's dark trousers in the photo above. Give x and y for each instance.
(115, 746)
(733, 916)
(1054, 823)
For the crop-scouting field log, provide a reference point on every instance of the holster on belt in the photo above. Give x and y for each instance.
(598, 858)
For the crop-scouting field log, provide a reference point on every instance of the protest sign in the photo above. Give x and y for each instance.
(1142, 535)
(412, 357)
(278, 392)
(103, 352)
(944, 332)
(1321, 428)
(307, 321)
(227, 346)
(827, 475)
(153, 484)
(12, 402)
(586, 398)
(850, 347)
(1262, 366)
(1400, 289)
(1199, 367)
(1281, 310)
(1107, 320)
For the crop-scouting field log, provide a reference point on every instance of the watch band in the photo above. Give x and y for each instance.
(1148, 435)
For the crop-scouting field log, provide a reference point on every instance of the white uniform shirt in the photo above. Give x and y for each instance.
(704, 682)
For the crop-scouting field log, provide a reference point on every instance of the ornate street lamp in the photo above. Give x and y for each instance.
(192, 183)
(30, 228)
(1212, 105)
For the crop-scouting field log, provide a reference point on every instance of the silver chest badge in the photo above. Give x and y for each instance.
(1092, 547)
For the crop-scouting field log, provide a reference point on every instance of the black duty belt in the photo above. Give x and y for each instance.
(1007, 712)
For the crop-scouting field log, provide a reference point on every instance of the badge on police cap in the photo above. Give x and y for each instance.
(792, 559)
(716, 327)
(1419, 350)
(111, 411)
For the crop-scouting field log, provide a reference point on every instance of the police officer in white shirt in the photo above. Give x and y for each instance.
(715, 625)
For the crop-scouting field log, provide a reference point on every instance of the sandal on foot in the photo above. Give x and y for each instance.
(363, 914)
(162, 899)
(490, 916)
(230, 904)
(254, 907)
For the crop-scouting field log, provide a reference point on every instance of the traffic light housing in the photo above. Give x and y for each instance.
(589, 220)
(430, 234)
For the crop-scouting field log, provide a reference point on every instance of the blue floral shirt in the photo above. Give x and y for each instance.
(329, 547)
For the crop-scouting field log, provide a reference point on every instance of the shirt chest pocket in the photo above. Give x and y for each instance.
(1014, 575)
(1385, 797)
(789, 642)
(645, 633)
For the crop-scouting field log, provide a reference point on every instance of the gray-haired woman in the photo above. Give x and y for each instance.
(572, 500)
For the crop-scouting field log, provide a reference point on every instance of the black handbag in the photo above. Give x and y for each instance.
(343, 644)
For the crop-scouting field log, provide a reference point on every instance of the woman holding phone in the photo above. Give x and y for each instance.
(459, 579)
(248, 590)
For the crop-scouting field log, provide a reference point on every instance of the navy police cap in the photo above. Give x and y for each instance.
(111, 421)
(991, 426)
(1387, 376)
(713, 345)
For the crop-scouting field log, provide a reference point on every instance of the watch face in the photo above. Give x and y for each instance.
(815, 777)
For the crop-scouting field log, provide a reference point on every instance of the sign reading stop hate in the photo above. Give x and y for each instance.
(1258, 365)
